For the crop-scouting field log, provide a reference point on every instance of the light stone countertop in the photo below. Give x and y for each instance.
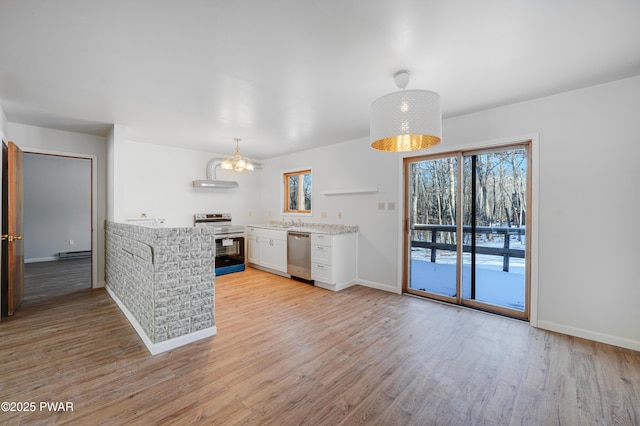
(313, 228)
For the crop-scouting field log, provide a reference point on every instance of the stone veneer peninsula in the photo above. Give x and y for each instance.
(163, 279)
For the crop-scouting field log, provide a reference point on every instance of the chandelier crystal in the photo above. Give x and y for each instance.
(237, 162)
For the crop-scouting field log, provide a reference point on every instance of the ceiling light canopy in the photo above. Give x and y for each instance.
(408, 120)
(236, 162)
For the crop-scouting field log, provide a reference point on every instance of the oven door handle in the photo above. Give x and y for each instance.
(228, 236)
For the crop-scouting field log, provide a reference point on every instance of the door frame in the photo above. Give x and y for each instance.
(533, 220)
(94, 200)
(3, 140)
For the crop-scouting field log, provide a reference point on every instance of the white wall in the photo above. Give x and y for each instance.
(343, 166)
(116, 166)
(589, 200)
(588, 203)
(38, 139)
(110, 147)
(157, 181)
(4, 124)
(57, 206)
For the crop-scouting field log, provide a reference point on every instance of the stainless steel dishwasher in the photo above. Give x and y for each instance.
(299, 255)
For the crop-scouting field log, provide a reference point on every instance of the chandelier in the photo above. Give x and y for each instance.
(408, 120)
(236, 162)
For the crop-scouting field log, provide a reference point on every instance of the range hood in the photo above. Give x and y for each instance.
(206, 183)
(211, 181)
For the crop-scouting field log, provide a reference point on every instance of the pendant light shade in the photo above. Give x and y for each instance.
(408, 120)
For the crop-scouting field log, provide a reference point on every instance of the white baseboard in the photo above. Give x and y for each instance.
(379, 286)
(167, 345)
(41, 259)
(334, 287)
(271, 271)
(342, 286)
(590, 335)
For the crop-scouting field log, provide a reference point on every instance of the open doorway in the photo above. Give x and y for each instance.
(57, 225)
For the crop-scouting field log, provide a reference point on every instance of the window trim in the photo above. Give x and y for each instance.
(285, 188)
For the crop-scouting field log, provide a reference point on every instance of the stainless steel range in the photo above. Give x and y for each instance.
(229, 241)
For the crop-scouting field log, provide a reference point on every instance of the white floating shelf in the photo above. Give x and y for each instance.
(351, 191)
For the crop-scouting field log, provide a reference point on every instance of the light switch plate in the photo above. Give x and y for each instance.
(391, 205)
(381, 205)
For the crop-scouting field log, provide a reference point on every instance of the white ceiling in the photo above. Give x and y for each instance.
(288, 75)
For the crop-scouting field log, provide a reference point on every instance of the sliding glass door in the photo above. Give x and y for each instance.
(466, 221)
(433, 202)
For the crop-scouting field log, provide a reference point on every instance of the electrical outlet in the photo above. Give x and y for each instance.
(391, 205)
(339, 215)
(269, 213)
(324, 215)
(381, 205)
(71, 242)
(250, 213)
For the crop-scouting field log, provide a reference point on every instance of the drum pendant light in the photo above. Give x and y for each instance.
(408, 120)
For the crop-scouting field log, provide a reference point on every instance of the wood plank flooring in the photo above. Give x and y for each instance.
(288, 353)
(47, 280)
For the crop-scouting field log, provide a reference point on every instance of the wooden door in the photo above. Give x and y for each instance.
(15, 246)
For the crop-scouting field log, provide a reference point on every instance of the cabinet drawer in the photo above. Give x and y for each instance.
(321, 272)
(322, 239)
(320, 254)
(272, 234)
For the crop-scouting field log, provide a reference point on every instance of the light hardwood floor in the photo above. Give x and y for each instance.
(289, 353)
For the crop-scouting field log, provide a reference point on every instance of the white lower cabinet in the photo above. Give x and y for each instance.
(267, 248)
(333, 256)
(273, 253)
(253, 246)
(333, 260)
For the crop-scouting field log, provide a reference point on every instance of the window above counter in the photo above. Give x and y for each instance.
(297, 192)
